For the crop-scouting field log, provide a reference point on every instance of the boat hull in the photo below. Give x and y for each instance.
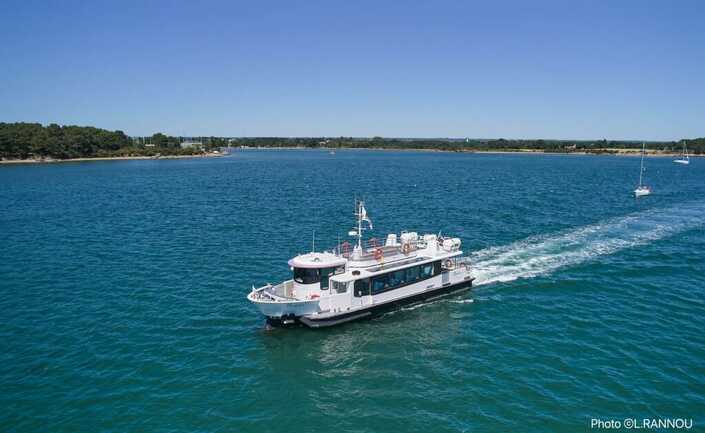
(373, 310)
(282, 309)
(639, 192)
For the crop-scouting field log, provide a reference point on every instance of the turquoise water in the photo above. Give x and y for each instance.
(123, 286)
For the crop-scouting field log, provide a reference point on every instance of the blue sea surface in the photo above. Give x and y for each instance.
(123, 284)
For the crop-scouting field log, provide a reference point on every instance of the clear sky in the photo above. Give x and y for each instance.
(616, 69)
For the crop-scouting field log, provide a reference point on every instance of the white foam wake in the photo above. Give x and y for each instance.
(541, 255)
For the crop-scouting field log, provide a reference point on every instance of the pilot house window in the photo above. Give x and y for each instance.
(306, 275)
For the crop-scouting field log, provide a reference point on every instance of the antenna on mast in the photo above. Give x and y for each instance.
(361, 214)
(357, 230)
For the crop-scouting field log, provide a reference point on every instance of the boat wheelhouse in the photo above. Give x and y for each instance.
(360, 281)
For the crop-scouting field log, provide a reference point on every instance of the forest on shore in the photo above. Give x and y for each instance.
(35, 141)
(695, 146)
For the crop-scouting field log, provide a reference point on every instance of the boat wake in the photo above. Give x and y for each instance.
(541, 255)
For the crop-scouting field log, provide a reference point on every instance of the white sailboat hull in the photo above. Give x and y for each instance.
(683, 159)
(641, 191)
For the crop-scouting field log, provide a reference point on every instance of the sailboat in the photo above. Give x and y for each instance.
(642, 189)
(683, 159)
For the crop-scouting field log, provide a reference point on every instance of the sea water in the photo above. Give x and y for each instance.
(123, 284)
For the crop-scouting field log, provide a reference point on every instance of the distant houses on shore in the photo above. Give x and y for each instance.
(189, 144)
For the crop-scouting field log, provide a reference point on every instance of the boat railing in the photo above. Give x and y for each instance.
(345, 249)
(280, 292)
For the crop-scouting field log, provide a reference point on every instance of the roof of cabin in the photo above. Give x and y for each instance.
(317, 260)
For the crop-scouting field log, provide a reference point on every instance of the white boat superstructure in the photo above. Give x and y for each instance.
(357, 281)
(684, 158)
(642, 189)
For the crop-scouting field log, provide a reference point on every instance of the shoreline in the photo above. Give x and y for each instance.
(607, 152)
(108, 158)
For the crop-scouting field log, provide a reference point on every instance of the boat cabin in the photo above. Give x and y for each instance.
(312, 272)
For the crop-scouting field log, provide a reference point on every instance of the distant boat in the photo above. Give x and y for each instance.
(642, 189)
(683, 159)
(332, 152)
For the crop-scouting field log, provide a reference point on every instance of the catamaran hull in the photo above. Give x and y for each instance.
(372, 311)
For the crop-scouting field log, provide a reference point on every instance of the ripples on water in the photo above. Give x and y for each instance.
(123, 291)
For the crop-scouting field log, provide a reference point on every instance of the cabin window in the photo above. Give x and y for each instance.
(325, 274)
(339, 287)
(412, 274)
(362, 287)
(380, 284)
(397, 278)
(306, 275)
(427, 270)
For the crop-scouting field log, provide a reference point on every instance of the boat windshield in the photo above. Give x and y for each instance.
(307, 275)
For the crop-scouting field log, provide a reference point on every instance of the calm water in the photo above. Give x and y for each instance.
(122, 294)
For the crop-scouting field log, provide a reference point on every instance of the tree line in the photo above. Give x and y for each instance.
(33, 140)
(695, 146)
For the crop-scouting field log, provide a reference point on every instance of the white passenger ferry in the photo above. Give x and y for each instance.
(333, 287)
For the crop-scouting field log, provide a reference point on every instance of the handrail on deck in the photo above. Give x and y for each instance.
(387, 250)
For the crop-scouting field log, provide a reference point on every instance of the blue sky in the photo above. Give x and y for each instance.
(512, 69)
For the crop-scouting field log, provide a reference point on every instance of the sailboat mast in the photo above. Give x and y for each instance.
(641, 171)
